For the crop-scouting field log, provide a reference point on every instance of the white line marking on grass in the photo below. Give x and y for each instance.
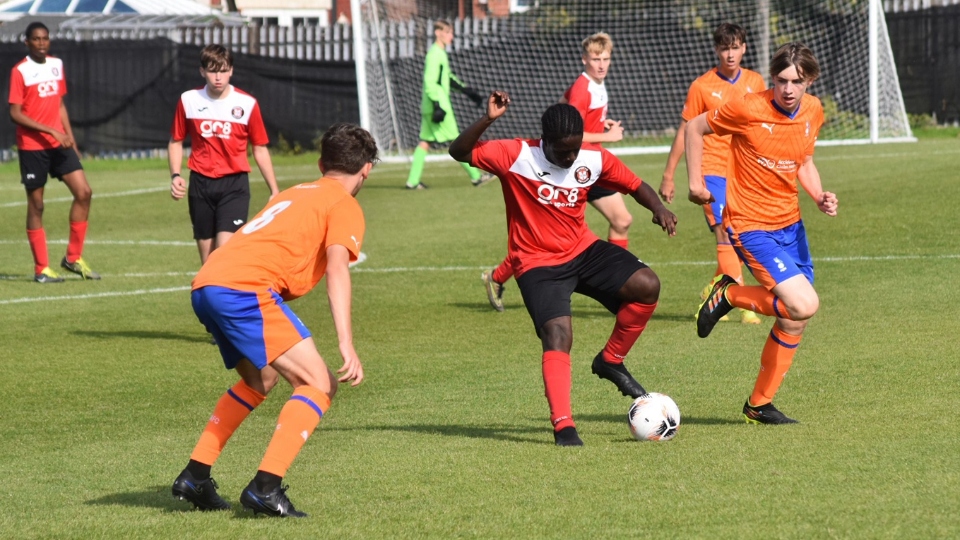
(95, 196)
(93, 295)
(114, 242)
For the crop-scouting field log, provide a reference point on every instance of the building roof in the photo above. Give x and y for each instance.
(15, 9)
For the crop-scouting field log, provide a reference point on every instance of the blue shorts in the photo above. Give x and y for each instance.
(257, 326)
(713, 212)
(775, 256)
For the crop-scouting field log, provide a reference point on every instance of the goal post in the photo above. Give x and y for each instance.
(660, 47)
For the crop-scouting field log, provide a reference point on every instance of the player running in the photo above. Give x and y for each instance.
(438, 126)
(220, 119)
(545, 186)
(726, 82)
(46, 147)
(773, 135)
(240, 294)
(589, 95)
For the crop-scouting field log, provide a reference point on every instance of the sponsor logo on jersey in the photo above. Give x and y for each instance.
(215, 128)
(237, 221)
(542, 174)
(237, 112)
(582, 175)
(718, 95)
(558, 196)
(48, 88)
(768, 127)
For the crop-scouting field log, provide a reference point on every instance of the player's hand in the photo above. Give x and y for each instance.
(614, 131)
(497, 104)
(666, 220)
(438, 113)
(65, 140)
(352, 369)
(700, 197)
(828, 203)
(473, 95)
(178, 188)
(667, 189)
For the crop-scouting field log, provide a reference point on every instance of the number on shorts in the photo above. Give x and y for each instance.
(266, 218)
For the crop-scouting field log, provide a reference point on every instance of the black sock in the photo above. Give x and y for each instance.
(266, 482)
(200, 471)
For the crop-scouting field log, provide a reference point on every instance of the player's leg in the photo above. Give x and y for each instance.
(727, 260)
(611, 205)
(629, 289)
(546, 293)
(66, 166)
(493, 282)
(231, 206)
(33, 175)
(420, 156)
(775, 361)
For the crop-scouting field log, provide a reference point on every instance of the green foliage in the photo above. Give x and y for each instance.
(839, 123)
(921, 121)
(448, 436)
(284, 148)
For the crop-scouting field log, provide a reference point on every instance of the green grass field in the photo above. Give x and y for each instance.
(108, 384)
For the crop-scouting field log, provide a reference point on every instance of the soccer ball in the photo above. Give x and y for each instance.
(654, 417)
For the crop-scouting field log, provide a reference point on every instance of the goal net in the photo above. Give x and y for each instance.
(531, 49)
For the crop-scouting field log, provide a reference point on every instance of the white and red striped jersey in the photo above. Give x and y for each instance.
(219, 130)
(39, 90)
(546, 203)
(590, 98)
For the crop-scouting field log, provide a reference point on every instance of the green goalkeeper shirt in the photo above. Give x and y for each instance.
(436, 88)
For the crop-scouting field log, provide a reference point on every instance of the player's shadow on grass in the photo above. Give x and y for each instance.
(142, 334)
(684, 420)
(152, 497)
(499, 433)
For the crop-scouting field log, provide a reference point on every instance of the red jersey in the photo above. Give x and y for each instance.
(710, 91)
(39, 90)
(218, 130)
(590, 98)
(545, 203)
(284, 248)
(768, 147)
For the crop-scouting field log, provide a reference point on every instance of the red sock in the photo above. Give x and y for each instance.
(758, 299)
(622, 242)
(503, 272)
(728, 263)
(298, 418)
(631, 320)
(232, 409)
(78, 232)
(775, 360)
(38, 245)
(557, 382)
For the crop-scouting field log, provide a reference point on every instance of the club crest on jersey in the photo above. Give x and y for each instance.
(55, 71)
(237, 112)
(582, 174)
(807, 132)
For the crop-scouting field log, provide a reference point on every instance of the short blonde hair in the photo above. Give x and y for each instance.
(442, 24)
(597, 43)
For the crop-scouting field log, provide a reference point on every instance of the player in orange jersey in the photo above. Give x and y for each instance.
(773, 135)
(45, 146)
(726, 82)
(589, 96)
(241, 294)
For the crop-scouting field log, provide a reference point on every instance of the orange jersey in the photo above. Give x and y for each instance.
(768, 147)
(710, 91)
(284, 248)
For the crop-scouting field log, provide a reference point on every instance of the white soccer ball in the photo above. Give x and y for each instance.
(654, 417)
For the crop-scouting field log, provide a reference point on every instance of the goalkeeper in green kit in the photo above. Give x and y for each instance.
(438, 126)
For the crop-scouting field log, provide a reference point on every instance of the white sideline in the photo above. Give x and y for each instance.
(880, 258)
(95, 196)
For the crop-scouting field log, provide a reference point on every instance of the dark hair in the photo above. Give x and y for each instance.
(795, 54)
(34, 26)
(727, 34)
(216, 58)
(347, 148)
(560, 121)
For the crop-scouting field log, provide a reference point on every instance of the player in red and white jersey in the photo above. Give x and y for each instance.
(45, 146)
(589, 95)
(545, 186)
(220, 120)
(721, 84)
(773, 136)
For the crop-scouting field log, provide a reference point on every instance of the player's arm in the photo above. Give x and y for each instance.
(696, 130)
(647, 197)
(178, 186)
(613, 133)
(262, 156)
(462, 87)
(21, 119)
(461, 148)
(667, 186)
(67, 128)
(809, 178)
(431, 78)
(340, 295)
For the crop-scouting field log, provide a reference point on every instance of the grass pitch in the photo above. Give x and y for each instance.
(107, 384)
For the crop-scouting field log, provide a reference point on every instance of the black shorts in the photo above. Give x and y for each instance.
(36, 165)
(218, 204)
(597, 192)
(599, 272)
